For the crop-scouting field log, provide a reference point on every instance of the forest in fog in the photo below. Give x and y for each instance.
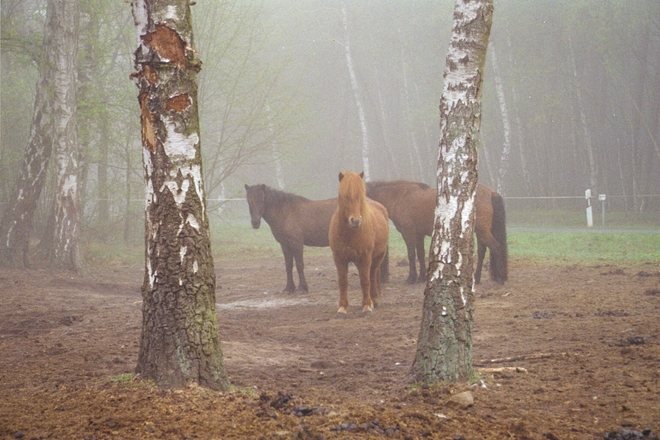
(292, 92)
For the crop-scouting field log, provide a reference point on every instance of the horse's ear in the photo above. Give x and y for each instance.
(246, 187)
(362, 175)
(341, 176)
(263, 187)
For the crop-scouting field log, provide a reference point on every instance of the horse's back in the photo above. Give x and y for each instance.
(410, 205)
(314, 221)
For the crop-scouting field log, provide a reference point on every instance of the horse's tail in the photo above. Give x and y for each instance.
(385, 267)
(499, 269)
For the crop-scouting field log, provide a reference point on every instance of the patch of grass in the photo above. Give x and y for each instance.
(473, 377)
(114, 254)
(124, 378)
(577, 218)
(585, 246)
(247, 390)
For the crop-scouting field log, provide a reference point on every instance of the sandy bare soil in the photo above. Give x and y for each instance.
(586, 341)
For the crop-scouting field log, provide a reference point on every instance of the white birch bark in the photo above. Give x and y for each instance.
(506, 147)
(16, 224)
(179, 342)
(593, 172)
(410, 122)
(444, 345)
(279, 173)
(65, 253)
(522, 149)
(356, 95)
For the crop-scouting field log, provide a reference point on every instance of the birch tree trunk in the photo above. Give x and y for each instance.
(444, 346)
(506, 148)
(593, 176)
(517, 108)
(179, 343)
(356, 95)
(65, 252)
(16, 224)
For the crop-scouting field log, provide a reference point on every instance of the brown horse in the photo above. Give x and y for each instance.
(295, 221)
(411, 206)
(359, 232)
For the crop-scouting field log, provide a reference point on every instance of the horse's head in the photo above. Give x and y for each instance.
(256, 198)
(352, 197)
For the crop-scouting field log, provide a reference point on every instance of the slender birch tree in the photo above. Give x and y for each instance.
(16, 224)
(356, 95)
(444, 346)
(506, 126)
(65, 251)
(179, 343)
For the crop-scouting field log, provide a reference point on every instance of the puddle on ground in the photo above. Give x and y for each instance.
(263, 303)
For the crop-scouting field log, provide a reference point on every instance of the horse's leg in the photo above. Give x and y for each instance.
(384, 271)
(412, 260)
(481, 253)
(420, 256)
(288, 264)
(364, 269)
(342, 280)
(300, 267)
(374, 276)
(488, 241)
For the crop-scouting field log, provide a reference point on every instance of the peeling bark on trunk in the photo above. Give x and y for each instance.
(179, 341)
(444, 346)
(16, 224)
(356, 95)
(65, 253)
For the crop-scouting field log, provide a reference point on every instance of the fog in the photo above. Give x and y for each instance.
(292, 92)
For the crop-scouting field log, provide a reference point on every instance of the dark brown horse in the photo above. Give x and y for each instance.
(359, 232)
(411, 206)
(295, 221)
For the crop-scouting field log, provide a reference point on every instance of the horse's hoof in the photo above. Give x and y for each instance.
(366, 313)
(411, 281)
(341, 315)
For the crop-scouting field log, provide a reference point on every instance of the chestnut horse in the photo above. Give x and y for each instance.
(359, 232)
(295, 221)
(411, 206)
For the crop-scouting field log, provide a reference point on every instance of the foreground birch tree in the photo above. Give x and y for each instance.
(179, 343)
(444, 346)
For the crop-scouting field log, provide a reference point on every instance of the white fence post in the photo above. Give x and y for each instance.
(590, 218)
(602, 198)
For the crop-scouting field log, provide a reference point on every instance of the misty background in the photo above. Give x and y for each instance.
(292, 92)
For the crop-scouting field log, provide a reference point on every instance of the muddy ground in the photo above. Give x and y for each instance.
(585, 339)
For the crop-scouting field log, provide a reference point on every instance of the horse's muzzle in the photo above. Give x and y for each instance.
(256, 223)
(354, 222)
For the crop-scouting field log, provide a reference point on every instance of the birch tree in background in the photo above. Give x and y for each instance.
(16, 224)
(179, 341)
(356, 95)
(65, 252)
(506, 126)
(593, 175)
(444, 345)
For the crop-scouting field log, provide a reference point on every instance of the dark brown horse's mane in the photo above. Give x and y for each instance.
(378, 183)
(281, 197)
